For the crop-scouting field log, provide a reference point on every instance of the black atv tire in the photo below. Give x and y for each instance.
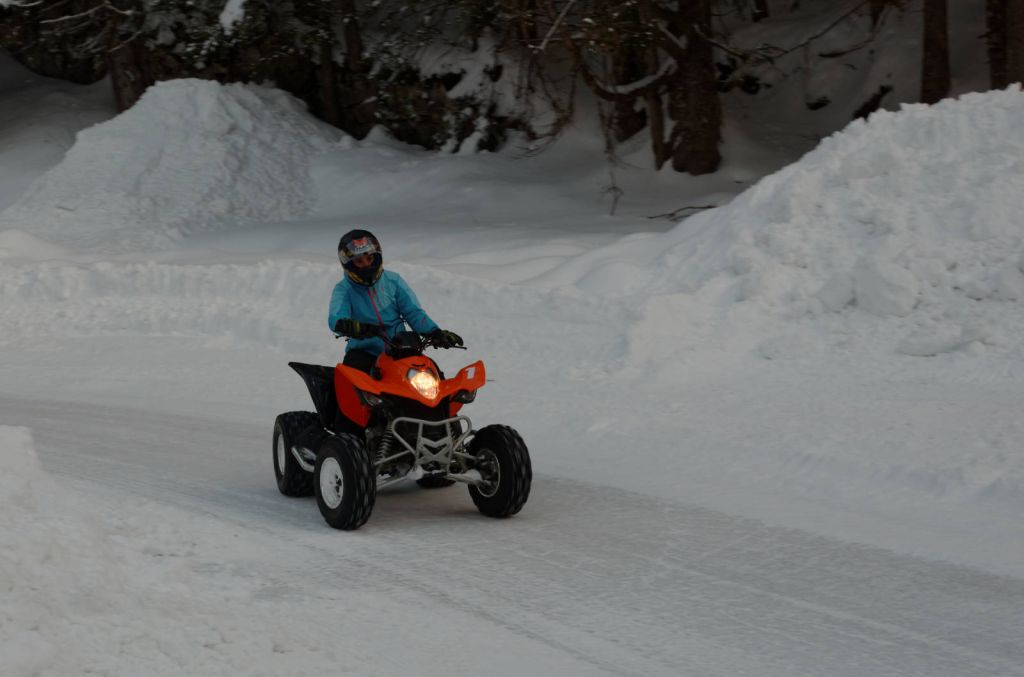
(434, 482)
(345, 482)
(292, 480)
(501, 456)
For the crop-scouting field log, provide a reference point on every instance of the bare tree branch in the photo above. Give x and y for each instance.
(769, 53)
(88, 12)
(677, 213)
(554, 26)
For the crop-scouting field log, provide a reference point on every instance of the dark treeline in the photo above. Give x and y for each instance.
(440, 73)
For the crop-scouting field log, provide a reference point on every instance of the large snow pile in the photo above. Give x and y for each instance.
(190, 155)
(914, 214)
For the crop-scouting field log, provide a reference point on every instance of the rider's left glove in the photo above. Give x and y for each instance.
(442, 338)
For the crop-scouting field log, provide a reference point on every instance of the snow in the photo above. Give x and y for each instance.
(220, 154)
(232, 14)
(798, 410)
(38, 123)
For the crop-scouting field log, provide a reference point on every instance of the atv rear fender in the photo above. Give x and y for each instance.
(320, 382)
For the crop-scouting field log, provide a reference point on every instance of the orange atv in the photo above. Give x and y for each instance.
(400, 421)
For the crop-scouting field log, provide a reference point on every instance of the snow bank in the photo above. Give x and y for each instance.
(280, 303)
(283, 304)
(190, 155)
(68, 603)
(913, 215)
(89, 591)
(53, 566)
(910, 208)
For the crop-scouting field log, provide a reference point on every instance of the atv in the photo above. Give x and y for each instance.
(401, 421)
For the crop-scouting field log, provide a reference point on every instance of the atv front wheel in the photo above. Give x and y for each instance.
(292, 480)
(501, 458)
(345, 482)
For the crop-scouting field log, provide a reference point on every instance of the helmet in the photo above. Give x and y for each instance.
(356, 243)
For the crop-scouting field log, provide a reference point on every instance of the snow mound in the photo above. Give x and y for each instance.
(191, 155)
(908, 208)
(913, 214)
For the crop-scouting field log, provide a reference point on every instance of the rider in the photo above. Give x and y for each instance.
(369, 301)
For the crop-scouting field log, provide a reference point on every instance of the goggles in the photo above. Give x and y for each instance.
(357, 247)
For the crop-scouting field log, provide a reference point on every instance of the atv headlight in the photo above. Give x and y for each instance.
(424, 382)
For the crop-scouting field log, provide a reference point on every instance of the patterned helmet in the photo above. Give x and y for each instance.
(356, 243)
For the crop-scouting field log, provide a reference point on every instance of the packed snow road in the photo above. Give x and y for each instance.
(588, 578)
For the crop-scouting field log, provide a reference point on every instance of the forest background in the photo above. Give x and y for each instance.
(463, 75)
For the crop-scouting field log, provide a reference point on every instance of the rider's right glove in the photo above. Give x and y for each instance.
(442, 338)
(355, 329)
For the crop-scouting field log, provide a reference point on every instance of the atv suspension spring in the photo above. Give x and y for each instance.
(387, 440)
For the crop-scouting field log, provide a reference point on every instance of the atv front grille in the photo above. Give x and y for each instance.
(431, 445)
(409, 430)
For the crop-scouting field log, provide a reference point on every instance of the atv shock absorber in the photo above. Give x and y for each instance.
(387, 441)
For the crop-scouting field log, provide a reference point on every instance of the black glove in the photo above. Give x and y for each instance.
(355, 328)
(442, 338)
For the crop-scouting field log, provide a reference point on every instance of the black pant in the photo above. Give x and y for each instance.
(365, 361)
(362, 360)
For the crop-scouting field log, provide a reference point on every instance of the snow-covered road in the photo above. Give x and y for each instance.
(588, 578)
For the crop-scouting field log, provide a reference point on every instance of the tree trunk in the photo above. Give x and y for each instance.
(328, 86)
(526, 23)
(872, 104)
(354, 47)
(656, 116)
(935, 80)
(995, 38)
(1014, 41)
(655, 112)
(877, 9)
(760, 10)
(355, 96)
(696, 108)
(627, 66)
(127, 75)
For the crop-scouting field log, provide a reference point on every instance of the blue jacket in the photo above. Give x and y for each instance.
(389, 301)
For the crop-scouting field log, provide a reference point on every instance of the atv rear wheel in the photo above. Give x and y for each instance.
(292, 480)
(345, 482)
(503, 461)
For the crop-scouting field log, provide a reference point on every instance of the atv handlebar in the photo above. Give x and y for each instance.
(400, 341)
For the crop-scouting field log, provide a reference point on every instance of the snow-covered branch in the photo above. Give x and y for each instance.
(81, 15)
(667, 68)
